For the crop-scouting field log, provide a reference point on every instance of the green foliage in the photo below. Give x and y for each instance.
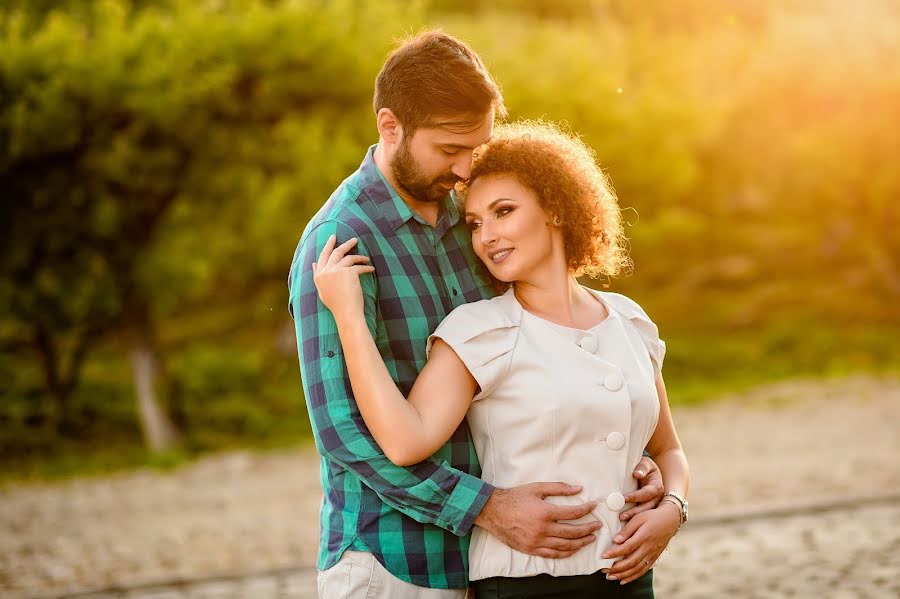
(159, 161)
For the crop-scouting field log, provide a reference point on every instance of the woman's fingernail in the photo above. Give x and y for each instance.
(639, 473)
(618, 539)
(611, 577)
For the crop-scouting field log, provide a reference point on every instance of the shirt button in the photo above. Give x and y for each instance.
(613, 381)
(615, 501)
(589, 344)
(455, 292)
(615, 440)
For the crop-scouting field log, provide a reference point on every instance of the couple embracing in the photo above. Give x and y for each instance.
(487, 425)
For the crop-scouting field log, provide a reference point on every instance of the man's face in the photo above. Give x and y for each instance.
(428, 164)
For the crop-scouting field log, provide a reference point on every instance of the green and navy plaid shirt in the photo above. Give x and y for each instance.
(415, 520)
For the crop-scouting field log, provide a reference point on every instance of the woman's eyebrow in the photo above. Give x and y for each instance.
(491, 205)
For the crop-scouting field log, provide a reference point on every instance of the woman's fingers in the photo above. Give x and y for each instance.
(352, 260)
(645, 563)
(325, 254)
(340, 251)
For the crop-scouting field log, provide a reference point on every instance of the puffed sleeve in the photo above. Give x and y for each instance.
(483, 336)
(645, 327)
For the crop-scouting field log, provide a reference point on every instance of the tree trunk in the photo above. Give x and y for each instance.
(56, 387)
(159, 432)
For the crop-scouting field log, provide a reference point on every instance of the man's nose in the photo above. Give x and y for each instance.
(462, 167)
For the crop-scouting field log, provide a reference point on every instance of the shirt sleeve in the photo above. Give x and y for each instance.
(483, 337)
(429, 492)
(645, 327)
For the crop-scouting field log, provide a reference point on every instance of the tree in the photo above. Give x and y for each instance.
(132, 126)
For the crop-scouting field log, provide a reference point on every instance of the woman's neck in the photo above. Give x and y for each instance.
(562, 301)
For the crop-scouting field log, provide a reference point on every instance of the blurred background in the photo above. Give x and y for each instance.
(158, 163)
(159, 160)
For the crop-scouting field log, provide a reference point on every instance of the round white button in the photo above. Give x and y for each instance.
(615, 440)
(615, 501)
(589, 344)
(613, 381)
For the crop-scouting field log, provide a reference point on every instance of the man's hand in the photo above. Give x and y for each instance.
(650, 489)
(523, 520)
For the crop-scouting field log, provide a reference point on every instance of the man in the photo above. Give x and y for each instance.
(386, 530)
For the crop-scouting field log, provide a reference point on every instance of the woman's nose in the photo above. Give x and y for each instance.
(487, 234)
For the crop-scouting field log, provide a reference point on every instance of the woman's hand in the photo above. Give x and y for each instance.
(642, 541)
(336, 276)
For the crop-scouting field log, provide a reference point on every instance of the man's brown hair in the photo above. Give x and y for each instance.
(435, 79)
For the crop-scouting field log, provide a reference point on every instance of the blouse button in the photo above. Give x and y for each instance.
(613, 381)
(615, 440)
(615, 501)
(589, 344)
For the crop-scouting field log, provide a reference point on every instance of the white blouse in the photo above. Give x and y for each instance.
(557, 404)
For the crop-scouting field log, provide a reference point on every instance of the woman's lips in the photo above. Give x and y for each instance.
(499, 256)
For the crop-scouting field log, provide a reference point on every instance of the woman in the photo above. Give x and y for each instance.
(557, 381)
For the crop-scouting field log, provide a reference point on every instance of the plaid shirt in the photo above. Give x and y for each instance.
(414, 520)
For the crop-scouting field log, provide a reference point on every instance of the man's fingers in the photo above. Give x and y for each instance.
(557, 548)
(570, 512)
(553, 553)
(567, 544)
(361, 270)
(574, 531)
(547, 489)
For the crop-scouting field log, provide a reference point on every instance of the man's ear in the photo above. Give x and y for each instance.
(389, 128)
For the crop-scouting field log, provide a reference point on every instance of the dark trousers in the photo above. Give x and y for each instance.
(544, 586)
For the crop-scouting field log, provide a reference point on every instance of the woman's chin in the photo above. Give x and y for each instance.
(503, 277)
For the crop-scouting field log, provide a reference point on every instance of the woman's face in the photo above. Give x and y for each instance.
(511, 233)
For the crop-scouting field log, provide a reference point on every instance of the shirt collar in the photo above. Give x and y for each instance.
(394, 210)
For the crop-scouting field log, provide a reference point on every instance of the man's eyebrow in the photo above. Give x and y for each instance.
(492, 204)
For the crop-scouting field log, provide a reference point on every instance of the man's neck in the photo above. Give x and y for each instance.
(427, 210)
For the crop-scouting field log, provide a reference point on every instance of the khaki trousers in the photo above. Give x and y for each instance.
(358, 575)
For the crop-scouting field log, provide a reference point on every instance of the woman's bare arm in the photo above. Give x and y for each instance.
(407, 431)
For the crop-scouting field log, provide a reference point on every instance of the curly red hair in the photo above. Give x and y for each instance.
(562, 171)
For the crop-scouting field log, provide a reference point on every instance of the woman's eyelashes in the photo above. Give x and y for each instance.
(499, 212)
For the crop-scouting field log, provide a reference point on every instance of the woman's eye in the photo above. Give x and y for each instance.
(473, 225)
(449, 152)
(504, 211)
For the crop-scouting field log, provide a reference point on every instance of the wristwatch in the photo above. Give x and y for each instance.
(680, 501)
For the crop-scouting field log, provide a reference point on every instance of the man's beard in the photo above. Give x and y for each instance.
(409, 178)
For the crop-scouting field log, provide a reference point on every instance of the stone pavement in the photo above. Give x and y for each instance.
(841, 552)
(244, 525)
